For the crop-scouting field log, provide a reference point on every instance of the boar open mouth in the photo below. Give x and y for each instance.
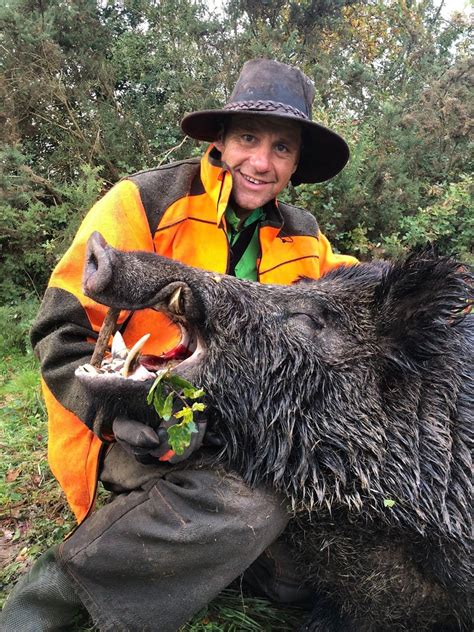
(123, 363)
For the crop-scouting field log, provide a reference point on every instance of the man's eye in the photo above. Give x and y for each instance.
(282, 148)
(248, 138)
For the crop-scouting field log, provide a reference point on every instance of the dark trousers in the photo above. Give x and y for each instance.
(169, 542)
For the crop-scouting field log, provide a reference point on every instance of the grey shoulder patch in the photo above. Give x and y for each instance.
(162, 186)
(296, 221)
(59, 337)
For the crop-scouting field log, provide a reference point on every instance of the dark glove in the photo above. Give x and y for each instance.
(148, 445)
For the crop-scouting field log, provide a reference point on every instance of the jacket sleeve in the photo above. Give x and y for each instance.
(328, 260)
(66, 327)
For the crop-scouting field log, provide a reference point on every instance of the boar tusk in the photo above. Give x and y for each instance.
(133, 354)
(105, 332)
(119, 348)
(175, 303)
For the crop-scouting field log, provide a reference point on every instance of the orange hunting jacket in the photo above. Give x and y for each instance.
(176, 210)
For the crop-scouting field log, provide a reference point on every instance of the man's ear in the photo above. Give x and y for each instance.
(219, 144)
(417, 306)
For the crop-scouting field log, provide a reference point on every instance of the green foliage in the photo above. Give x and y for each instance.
(393, 79)
(162, 396)
(38, 219)
(448, 220)
(234, 612)
(15, 323)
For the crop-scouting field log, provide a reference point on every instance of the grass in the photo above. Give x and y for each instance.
(34, 513)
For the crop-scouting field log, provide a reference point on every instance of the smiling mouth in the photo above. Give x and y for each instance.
(253, 180)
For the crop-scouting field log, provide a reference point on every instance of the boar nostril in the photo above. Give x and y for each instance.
(92, 264)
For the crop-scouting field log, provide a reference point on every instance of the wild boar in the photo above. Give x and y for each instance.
(352, 394)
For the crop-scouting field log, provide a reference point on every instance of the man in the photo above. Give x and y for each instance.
(174, 536)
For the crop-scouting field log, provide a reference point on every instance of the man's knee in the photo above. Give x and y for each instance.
(210, 508)
(217, 501)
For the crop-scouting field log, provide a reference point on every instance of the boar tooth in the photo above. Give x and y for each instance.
(133, 354)
(141, 374)
(88, 368)
(119, 348)
(185, 336)
(174, 304)
(117, 364)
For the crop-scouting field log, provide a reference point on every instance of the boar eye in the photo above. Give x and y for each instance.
(307, 321)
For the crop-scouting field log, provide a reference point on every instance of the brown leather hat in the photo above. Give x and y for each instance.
(270, 88)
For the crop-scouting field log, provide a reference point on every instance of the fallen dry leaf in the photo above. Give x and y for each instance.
(13, 474)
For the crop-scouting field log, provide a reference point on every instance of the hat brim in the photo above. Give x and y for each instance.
(324, 153)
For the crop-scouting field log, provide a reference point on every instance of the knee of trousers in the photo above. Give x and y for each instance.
(221, 501)
(211, 509)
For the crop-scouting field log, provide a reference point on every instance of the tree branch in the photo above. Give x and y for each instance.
(43, 182)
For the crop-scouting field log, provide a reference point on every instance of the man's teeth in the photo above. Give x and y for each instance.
(252, 180)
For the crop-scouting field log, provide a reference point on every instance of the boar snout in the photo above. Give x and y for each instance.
(138, 280)
(98, 269)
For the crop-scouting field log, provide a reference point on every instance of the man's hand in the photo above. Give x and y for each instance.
(148, 445)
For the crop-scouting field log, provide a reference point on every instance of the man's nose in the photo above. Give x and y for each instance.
(261, 157)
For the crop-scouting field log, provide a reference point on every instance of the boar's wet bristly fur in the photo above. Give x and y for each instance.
(353, 395)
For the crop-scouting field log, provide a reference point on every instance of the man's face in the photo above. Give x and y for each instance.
(262, 155)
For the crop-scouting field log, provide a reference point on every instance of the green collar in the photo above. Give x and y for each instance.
(236, 224)
(246, 268)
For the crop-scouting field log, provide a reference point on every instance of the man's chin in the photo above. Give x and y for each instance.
(245, 204)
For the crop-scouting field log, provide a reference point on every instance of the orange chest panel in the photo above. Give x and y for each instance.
(189, 232)
(195, 242)
(285, 259)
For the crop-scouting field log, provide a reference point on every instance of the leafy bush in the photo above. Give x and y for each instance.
(448, 221)
(16, 320)
(38, 219)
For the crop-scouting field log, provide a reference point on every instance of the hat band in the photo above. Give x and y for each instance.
(265, 106)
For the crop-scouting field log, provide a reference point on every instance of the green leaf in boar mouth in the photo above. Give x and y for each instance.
(167, 389)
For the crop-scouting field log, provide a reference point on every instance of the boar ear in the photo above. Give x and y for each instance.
(417, 304)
